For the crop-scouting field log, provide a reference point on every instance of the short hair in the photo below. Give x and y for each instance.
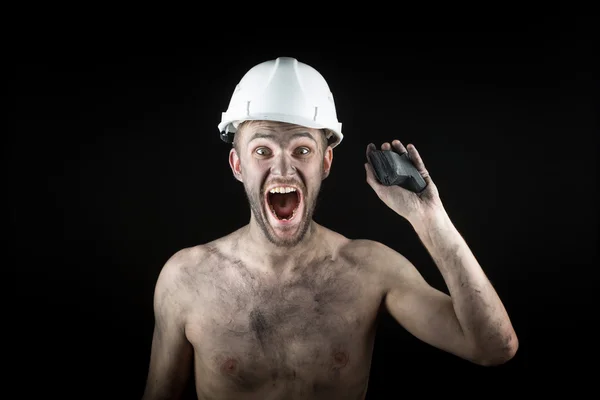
(324, 134)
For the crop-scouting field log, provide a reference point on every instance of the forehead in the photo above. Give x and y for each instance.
(276, 131)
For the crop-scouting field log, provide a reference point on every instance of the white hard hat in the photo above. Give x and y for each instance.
(283, 90)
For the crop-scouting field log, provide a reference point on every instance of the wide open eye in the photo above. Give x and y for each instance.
(303, 151)
(262, 151)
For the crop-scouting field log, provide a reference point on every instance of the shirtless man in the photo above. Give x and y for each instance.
(287, 309)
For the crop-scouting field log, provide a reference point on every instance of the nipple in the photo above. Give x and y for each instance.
(229, 366)
(340, 359)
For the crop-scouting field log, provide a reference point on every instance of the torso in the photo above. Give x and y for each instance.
(306, 335)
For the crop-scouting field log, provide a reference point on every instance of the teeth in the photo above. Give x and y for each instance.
(282, 189)
(285, 219)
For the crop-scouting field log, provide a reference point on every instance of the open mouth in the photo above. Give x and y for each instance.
(284, 202)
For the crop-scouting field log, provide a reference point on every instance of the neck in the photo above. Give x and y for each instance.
(277, 258)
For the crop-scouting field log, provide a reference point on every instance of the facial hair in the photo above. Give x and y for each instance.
(257, 206)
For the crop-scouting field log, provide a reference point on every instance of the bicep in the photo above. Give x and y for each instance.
(171, 353)
(170, 364)
(424, 311)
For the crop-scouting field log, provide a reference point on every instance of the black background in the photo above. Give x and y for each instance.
(115, 163)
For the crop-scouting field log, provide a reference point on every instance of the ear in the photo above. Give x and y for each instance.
(327, 161)
(235, 164)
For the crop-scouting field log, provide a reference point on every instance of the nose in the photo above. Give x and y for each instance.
(283, 165)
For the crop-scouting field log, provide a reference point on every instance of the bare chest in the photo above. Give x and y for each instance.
(310, 334)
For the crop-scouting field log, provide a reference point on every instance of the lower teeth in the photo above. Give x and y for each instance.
(284, 219)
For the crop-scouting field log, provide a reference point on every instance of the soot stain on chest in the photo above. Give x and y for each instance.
(308, 306)
(319, 287)
(311, 300)
(324, 281)
(260, 327)
(229, 277)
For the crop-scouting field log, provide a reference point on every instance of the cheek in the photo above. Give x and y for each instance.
(319, 170)
(250, 168)
(316, 178)
(253, 176)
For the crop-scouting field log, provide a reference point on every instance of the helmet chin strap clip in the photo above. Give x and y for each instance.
(227, 136)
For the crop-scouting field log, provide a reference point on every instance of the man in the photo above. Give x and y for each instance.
(284, 308)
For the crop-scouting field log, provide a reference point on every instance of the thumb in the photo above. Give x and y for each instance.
(371, 179)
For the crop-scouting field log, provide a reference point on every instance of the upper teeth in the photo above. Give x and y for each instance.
(282, 189)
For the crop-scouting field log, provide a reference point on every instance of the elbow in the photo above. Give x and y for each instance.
(498, 355)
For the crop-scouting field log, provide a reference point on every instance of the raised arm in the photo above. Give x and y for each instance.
(171, 354)
(471, 322)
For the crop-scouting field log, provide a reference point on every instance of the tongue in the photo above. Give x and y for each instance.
(284, 204)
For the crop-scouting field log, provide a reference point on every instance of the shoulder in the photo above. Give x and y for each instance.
(381, 262)
(367, 254)
(369, 250)
(188, 266)
(182, 273)
(356, 250)
(180, 263)
(343, 246)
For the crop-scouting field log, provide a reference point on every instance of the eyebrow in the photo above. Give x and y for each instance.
(261, 135)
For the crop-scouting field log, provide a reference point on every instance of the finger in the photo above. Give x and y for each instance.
(398, 146)
(416, 159)
(370, 148)
(371, 179)
(386, 146)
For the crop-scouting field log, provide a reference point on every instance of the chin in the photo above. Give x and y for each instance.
(286, 233)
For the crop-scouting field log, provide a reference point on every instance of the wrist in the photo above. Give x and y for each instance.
(426, 219)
